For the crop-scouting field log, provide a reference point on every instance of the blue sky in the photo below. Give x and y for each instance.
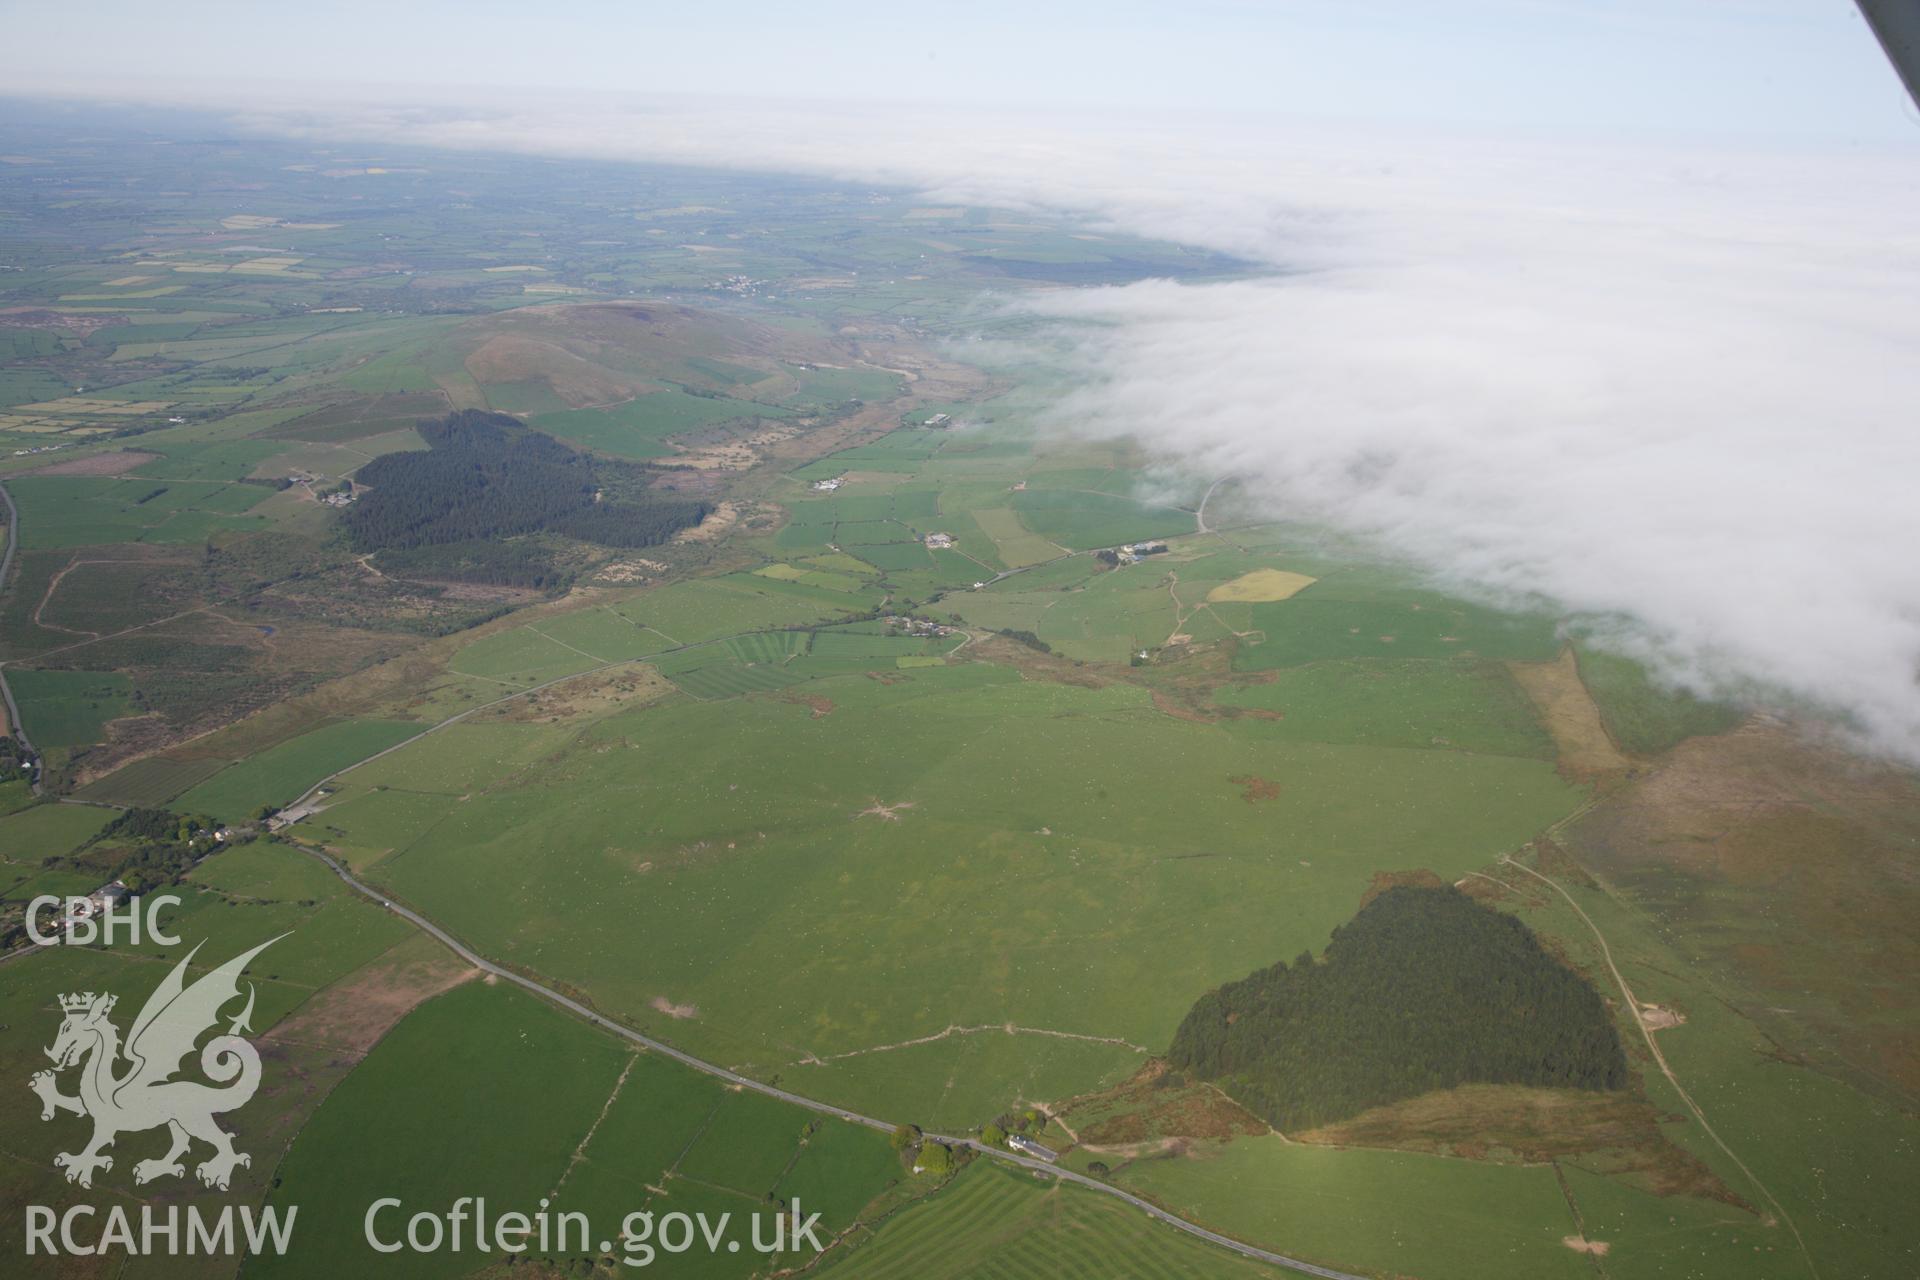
(1765, 70)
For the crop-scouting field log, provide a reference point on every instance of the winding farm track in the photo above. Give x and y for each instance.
(1660, 1059)
(800, 1100)
(6, 691)
(1200, 512)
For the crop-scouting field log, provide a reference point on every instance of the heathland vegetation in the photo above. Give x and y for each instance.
(1424, 989)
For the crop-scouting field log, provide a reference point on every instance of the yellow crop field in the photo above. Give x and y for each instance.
(1261, 586)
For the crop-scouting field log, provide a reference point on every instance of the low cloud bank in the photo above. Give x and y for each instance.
(1730, 495)
(1676, 388)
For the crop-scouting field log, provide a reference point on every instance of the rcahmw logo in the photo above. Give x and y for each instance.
(130, 1086)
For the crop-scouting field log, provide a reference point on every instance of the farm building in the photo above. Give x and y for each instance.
(939, 541)
(107, 895)
(1027, 1146)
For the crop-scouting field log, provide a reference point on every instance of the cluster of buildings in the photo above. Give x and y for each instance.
(939, 541)
(742, 285)
(90, 907)
(917, 626)
(1134, 552)
(293, 813)
(939, 420)
(829, 485)
(341, 497)
(39, 448)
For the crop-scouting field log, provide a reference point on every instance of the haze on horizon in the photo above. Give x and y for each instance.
(1609, 306)
(1805, 71)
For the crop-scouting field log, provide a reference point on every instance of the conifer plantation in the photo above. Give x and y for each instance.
(487, 476)
(1423, 989)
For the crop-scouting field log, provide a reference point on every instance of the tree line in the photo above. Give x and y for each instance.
(1423, 989)
(164, 845)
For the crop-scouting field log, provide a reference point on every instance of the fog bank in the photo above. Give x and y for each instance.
(1676, 386)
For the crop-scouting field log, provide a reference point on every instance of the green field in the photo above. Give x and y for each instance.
(1083, 519)
(1376, 1211)
(327, 938)
(936, 881)
(82, 511)
(150, 782)
(639, 428)
(770, 646)
(752, 830)
(47, 830)
(600, 633)
(1016, 545)
(725, 679)
(1331, 620)
(281, 774)
(70, 708)
(992, 1222)
(1642, 717)
(265, 872)
(712, 608)
(526, 656)
(487, 1091)
(530, 1082)
(1453, 705)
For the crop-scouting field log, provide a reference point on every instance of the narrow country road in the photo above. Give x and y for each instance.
(1200, 513)
(647, 1042)
(812, 1104)
(6, 690)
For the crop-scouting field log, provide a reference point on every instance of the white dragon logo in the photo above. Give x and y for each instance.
(145, 1095)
